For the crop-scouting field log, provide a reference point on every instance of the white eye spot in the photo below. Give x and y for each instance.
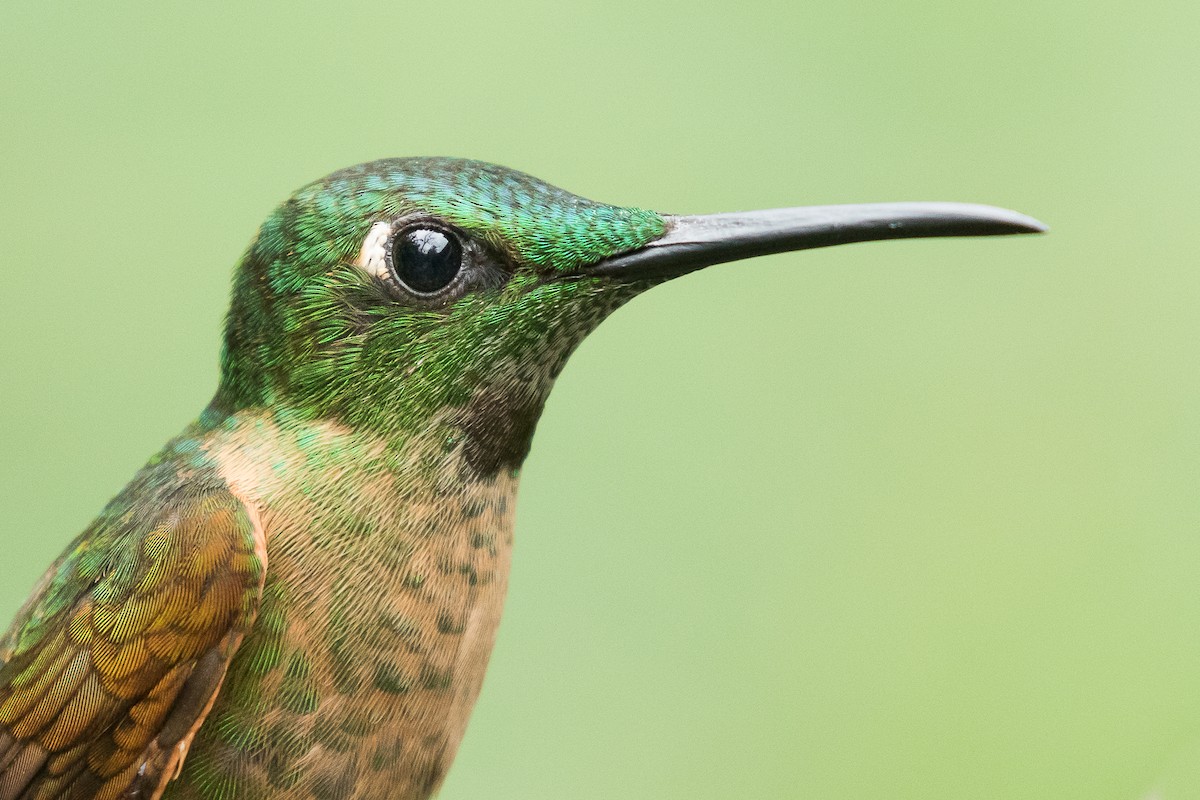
(372, 256)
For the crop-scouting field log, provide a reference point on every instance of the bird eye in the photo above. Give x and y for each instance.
(426, 258)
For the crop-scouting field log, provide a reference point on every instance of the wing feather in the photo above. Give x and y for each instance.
(110, 668)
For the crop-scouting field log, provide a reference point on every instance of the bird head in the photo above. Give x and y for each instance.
(408, 295)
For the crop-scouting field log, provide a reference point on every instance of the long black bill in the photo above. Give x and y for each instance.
(693, 242)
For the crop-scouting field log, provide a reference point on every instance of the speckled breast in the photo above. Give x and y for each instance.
(387, 569)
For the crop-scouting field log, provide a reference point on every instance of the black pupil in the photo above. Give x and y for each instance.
(426, 259)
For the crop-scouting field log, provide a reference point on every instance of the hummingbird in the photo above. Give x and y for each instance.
(298, 595)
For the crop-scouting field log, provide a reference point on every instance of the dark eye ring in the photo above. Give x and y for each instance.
(425, 258)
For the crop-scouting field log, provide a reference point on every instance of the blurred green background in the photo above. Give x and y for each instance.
(901, 520)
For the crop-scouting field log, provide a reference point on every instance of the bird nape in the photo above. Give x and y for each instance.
(297, 597)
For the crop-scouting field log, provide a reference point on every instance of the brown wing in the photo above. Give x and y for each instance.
(109, 670)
